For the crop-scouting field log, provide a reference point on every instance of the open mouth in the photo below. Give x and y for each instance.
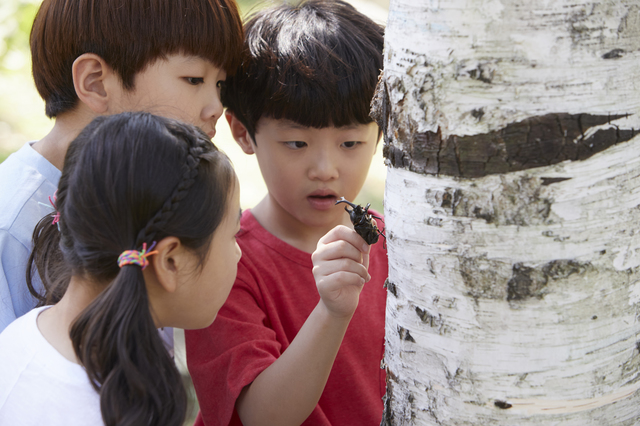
(323, 197)
(322, 202)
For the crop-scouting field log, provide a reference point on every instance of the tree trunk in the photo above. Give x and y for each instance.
(512, 211)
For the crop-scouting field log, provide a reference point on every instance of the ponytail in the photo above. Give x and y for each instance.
(117, 341)
(130, 179)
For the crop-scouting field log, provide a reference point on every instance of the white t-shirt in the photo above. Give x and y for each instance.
(38, 386)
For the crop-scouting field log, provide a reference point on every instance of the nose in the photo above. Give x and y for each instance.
(212, 110)
(323, 167)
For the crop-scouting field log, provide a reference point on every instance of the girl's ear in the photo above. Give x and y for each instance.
(90, 79)
(165, 267)
(240, 133)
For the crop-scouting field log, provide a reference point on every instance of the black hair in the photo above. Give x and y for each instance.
(130, 179)
(316, 64)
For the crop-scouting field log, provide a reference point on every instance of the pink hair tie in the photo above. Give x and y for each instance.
(56, 217)
(135, 257)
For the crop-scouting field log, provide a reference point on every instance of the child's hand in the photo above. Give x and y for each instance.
(340, 265)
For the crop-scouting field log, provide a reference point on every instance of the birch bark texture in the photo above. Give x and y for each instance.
(512, 212)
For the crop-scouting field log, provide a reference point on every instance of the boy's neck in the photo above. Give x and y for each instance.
(66, 128)
(288, 229)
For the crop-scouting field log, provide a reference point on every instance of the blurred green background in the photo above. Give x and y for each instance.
(22, 115)
(22, 119)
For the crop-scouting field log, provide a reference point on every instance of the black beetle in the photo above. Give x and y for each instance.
(363, 221)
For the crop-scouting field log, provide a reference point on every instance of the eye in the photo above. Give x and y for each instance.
(194, 80)
(350, 144)
(295, 144)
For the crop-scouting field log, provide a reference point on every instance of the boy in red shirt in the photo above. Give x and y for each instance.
(289, 349)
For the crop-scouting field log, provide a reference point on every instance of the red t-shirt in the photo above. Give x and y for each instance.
(272, 297)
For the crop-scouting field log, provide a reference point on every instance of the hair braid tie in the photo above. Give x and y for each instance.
(135, 257)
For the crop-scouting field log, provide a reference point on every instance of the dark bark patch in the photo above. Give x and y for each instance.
(521, 202)
(502, 404)
(450, 198)
(525, 283)
(613, 54)
(434, 321)
(486, 278)
(433, 221)
(380, 104)
(529, 282)
(549, 180)
(477, 113)
(405, 335)
(391, 287)
(527, 144)
(483, 73)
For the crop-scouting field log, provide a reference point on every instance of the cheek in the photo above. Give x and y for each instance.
(280, 175)
(357, 168)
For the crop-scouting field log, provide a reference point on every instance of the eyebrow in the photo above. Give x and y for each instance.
(349, 126)
(288, 124)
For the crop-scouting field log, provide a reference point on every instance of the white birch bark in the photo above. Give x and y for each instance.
(514, 291)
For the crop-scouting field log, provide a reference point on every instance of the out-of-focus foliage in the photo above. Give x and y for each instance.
(16, 17)
(21, 109)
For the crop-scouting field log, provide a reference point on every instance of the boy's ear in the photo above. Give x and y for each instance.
(240, 133)
(91, 76)
(167, 266)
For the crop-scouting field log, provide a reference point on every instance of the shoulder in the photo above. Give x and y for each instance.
(28, 180)
(20, 343)
(27, 164)
(21, 335)
(32, 371)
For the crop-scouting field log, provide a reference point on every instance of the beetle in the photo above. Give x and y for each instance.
(363, 221)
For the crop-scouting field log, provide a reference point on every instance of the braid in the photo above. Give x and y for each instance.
(115, 337)
(200, 146)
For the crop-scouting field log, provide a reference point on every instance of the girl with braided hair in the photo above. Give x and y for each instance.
(143, 237)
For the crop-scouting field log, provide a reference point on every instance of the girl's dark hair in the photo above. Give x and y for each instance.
(128, 35)
(316, 64)
(130, 179)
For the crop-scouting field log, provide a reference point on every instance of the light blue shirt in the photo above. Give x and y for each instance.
(27, 180)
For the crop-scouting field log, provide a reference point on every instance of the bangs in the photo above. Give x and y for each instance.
(316, 64)
(210, 29)
(128, 35)
(322, 94)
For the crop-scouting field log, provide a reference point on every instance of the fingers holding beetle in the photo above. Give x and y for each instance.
(340, 267)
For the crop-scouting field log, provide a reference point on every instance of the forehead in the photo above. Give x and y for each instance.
(181, 60)
(267, 123)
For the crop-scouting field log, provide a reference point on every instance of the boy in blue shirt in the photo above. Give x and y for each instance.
(98, 57)
(291, 351)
